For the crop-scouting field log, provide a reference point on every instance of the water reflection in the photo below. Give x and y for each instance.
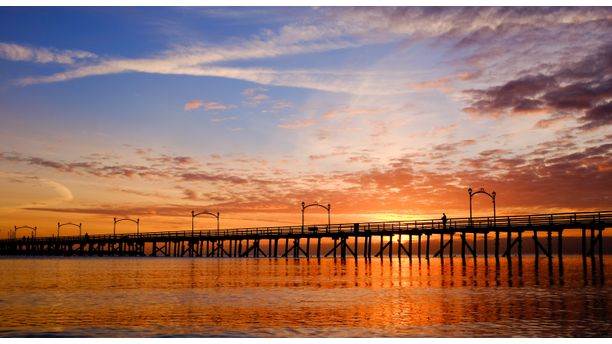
(299, 297)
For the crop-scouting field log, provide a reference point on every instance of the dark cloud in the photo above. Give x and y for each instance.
(167, 159)
(598, 116)
(445, 149)
(494, 152)
(208, 177)
(582, 90)
(516, 96)
(161, 167)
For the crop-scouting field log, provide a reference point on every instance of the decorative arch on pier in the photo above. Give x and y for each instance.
(33, 229)
(328, 208)
(482, 191)
(194, 215)
(116, 220)
(68, 224)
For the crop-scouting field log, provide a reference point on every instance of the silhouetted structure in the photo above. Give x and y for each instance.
(246, 242)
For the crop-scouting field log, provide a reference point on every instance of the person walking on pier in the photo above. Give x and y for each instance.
(444, 220)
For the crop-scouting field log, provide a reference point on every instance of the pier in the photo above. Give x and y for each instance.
(417, 239)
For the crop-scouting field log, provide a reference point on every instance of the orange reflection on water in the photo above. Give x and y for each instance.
(297, 297)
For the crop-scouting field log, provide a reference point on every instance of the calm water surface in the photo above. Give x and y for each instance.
(143, 297)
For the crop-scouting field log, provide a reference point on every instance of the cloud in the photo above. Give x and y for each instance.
(253, 90)
(442, 85)
(555, 174)
(208, 177)
(298, 124)
(260, 97)
(139, 192)
(61, 189)
(114, 210)
(582, 89)
(199, 59)
(27, 190)
(165, 159)
(255, 96)
(223, 119)
(280, 105)
(99, 168)
(352, 111)
(493, 35)
(515, 97)
(189, 194)
(206, 105)
(16, 52)
(193, 105)
(598, 116)
(553, 120)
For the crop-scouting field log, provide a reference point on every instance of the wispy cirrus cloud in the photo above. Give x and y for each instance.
(198, 59)
(17, 52)
(482, 33)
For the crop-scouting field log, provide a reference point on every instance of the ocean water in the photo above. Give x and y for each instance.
(229, 297)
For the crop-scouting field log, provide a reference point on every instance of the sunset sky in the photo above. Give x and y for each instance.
(385, 113)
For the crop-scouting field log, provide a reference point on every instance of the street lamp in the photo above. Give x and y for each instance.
(193, 215)
(328, 208)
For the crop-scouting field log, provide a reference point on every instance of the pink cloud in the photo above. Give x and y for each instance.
(251, 91)
(443, 85)
(254, 95)
(467, 76)
(193, 105)
(298, 124)
(350, 112)
(206, 105)
(215, 106)
(260, 97)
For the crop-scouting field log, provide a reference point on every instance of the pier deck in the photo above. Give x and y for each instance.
(412, 239)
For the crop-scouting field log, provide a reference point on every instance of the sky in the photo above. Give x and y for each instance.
(384, 113)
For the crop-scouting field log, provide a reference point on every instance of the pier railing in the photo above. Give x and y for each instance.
(561, 220)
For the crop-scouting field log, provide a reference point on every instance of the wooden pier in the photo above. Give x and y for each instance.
(410, 239)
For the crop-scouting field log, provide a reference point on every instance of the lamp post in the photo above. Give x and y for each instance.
(115, 220)
(482, 191)
(193, 215)
(328, 208)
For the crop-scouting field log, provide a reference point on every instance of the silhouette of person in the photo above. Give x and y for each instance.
(86, 236)
(444, 220)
